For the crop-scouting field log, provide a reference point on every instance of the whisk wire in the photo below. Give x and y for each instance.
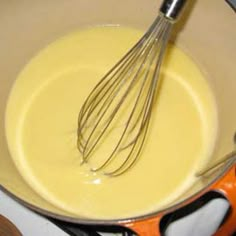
(146, 118)
(84, 109)
(116, 109)
(138, 70)
(130, 117)
(117, 68)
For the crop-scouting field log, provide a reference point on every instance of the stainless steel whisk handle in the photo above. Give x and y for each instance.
(171, 9)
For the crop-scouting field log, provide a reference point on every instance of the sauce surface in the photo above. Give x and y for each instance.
(41, 126)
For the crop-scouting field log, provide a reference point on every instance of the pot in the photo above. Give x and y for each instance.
(206, 32)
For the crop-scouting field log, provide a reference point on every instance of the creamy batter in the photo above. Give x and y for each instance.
(41, 124)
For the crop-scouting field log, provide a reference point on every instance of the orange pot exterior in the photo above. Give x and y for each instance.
(148, 227)
(226, 185)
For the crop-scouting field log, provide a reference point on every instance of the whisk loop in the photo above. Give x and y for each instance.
(114, 119)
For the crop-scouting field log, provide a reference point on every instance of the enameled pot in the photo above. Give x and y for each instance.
(206, 32)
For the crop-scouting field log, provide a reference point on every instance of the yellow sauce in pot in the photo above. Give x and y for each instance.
(41, 125)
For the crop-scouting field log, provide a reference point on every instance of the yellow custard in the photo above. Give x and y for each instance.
(41, 125)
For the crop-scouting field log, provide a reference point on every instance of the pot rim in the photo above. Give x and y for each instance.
(120, 221)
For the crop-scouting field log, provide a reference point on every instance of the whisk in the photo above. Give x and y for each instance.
(115, 117)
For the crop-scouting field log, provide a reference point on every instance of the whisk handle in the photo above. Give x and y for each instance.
(172, 8)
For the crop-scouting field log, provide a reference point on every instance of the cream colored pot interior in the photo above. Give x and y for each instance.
(209, 36)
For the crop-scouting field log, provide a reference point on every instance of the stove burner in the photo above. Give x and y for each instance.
(89, 230)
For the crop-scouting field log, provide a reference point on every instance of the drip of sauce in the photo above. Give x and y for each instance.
(41, 125)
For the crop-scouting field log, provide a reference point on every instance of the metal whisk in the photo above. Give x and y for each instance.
(115, 117)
